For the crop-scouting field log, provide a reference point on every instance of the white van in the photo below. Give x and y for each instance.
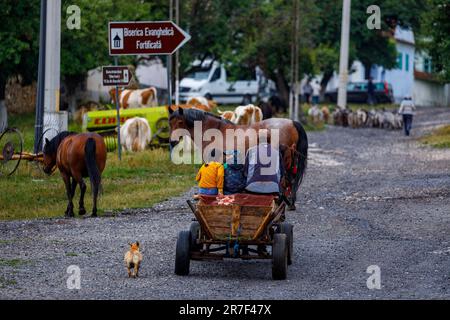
(209, 80)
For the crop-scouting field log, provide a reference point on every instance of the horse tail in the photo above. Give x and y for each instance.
(91, 164)
(155, 97)
(136, 146)
(302, 148)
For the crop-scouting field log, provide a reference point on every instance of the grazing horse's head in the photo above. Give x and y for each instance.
(49, 156)
(50, 151)
(177, 121)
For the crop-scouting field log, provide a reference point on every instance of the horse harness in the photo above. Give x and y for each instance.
(291, 173)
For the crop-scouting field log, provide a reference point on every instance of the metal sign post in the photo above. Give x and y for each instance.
(169, 80)
(169, 89)
(117, 76)
(116, 62)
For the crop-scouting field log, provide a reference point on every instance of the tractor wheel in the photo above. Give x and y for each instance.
(11, 148)
(162, 129)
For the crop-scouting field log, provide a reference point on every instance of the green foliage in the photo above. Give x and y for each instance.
(436, 29)
(439, 138)
(241, 34)
(369, 46)
(325, 59)
(146, 178)
(87, 48)
(81, 50)
(18, 41)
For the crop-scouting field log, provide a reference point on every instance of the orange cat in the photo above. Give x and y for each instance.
(133, 260)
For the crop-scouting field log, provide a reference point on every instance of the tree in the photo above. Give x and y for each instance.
(87, 48)
(371, 47)
(81, 50)
(325, 60)
(436, 30)
(213, 26)
(19, 42)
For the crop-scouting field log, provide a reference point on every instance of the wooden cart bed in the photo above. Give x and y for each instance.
(245, 217)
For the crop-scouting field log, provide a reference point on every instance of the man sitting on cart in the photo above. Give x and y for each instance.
(264, 169)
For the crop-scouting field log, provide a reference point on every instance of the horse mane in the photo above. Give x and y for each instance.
(52, 146)
(191, 115)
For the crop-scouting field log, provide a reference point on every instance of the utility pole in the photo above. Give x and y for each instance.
(296, 57)
(53, 118)
(177, 57)
(292, 73)
(291, 84)
(294, 85)
(343, 60)
(169, 63)
(39, 121)
(52, 56)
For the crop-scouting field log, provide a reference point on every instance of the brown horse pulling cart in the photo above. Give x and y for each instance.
(241, 226)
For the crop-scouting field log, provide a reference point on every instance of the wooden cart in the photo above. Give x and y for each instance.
(247, 227)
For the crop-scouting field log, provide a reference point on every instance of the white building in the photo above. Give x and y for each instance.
(427, 91)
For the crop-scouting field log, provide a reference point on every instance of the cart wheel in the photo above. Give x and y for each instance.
(182, 258)
(288, 230)
(279, 256)
(195, 233)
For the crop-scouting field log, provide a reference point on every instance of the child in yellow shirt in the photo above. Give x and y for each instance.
(210, 178)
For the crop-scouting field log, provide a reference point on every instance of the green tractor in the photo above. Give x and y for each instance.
(105, 124)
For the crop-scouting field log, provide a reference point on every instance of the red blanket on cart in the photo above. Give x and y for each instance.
(241, 199)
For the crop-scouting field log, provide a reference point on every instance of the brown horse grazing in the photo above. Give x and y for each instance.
(77, 156)
(290, 133)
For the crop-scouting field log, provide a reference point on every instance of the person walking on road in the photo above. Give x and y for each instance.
(407, 109)
(316, 92)
(307, 91)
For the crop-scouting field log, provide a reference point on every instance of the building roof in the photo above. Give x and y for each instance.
(425, 76)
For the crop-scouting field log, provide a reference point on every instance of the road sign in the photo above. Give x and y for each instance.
(116, 76)
(145, 37)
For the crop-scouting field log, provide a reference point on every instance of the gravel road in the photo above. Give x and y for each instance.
(370, 197)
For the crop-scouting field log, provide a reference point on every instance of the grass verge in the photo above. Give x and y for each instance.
(439, 138)
(139, 180)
